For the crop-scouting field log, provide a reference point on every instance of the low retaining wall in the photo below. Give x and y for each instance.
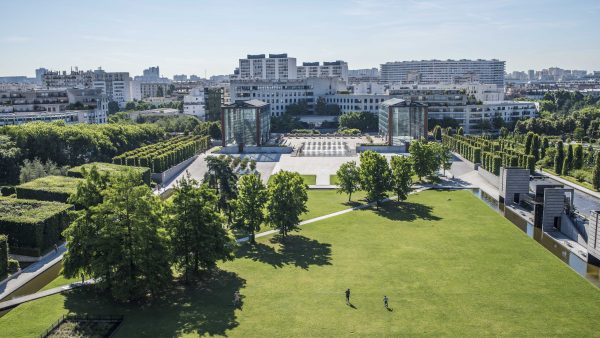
(256, 150)
(382, 149)
(490, 177)
(170, 173)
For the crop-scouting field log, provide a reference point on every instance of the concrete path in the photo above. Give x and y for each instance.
(32, 271)
(20, 300)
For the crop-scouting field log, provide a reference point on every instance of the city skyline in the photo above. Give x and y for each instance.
(210, 37)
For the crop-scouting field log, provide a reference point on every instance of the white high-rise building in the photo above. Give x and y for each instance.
(275, 67)
(327, 69)
(444, 71)
(115, 85)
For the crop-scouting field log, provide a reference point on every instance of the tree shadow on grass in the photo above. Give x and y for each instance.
(406, 211)
(204, 308)
(354, 204)
(296, 250)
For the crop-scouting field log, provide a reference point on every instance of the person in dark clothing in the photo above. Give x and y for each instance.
(348, 296)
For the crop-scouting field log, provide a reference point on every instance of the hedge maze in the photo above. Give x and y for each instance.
(49, 188)
(109, 168)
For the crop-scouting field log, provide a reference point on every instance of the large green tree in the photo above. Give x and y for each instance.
(559, 158)
(221, 177)
(286, 201)
(374, 176)
(196, 229)
(596, 174)
(568, 161)
(401, 172)
(364, 121)
(249, 205)
(348, 176)
(10, 156)
(124, 240)
(425, 158)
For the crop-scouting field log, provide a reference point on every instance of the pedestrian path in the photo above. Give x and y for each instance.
(12, 284)
(320, 218)
(20, 300)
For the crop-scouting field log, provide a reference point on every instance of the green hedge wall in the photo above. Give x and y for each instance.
(32, 227)
(3, 256)
(49, 188)
(161, 156)
(110, 168)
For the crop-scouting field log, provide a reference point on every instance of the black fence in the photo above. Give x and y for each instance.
(116, 319)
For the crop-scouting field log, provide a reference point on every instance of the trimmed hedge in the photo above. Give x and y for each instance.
(49, 188)
(3, 256)
(7, 190)
(32, 227)
(109, 168)
(161, 156)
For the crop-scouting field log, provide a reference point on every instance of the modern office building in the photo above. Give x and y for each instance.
(327, 69)
(444, 71)
(274, 67)
(279, 94)
(401, 121)
(47, 100)
(245, 123)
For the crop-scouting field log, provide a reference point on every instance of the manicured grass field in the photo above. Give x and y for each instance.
(326, 201)
(308, 179)
(448, 263)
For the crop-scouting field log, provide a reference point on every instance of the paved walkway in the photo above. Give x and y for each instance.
(20, 300)
(569, 183)
(32, 271)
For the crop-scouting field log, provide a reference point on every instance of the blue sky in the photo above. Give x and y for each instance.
(191, 37)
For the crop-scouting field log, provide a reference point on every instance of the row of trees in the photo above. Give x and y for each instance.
(128, 239)
(363, 121)
(377, 177)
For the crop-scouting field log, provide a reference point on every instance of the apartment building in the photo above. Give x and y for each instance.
(195, 104)
(47, 100)
(444, 71)
(72, 79)
(279, 94)
(327, 69)
(274, 67)
(115, 85)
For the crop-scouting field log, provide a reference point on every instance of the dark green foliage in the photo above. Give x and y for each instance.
(496, 164)
(3, 256)
(596, 174)
(32, 227)
(286, 123)
(528, 141)
(109, 169)
(460, 131)
(286, 201)
(348, 178)
(544, 146)
(300, 108)
(49, 188)
(568, 161)
(79, 143)
(113, 107)
(31, 170)
(477, 155)
(163, 155)
(530, 163)
(323, 108)
(578, 157)
(249, 206)
(10, 156)
(364, 121)
(401, 174)
(559, 158)
(437, 133)
(375, 175)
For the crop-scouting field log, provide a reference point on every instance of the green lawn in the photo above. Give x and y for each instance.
(333, 179)
(308, 179)
(326, 201)
(450, 265)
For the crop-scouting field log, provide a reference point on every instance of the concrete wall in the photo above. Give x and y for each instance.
(172, 172)
(256, 150)
(513, 181)
(554, 204)
(593, 232)
(488, 176)
(571, 230)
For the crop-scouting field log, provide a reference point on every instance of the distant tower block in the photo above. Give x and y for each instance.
(513, 182)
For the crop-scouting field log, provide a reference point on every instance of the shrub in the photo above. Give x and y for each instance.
(49, 188)
(13, 265)
(109, 168)
(582, 175)
(7, 191)
(32, 226)
(3, 256)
